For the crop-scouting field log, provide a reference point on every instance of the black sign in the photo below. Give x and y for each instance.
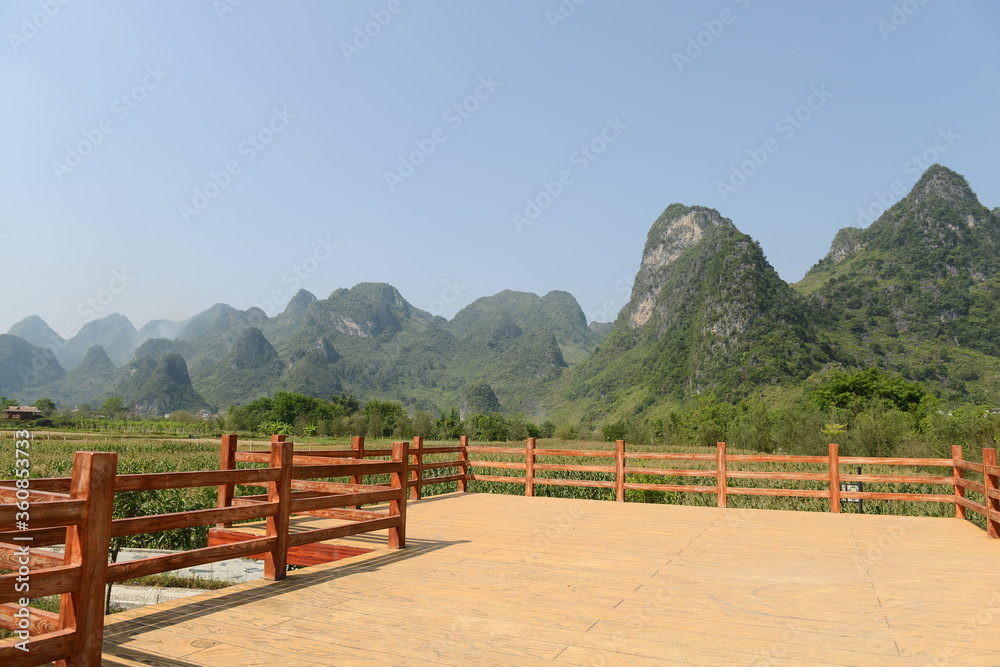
(854, 487)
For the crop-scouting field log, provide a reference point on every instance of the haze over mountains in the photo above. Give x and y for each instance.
(916, 292)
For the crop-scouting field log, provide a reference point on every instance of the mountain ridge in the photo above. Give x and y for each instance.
(914, 292)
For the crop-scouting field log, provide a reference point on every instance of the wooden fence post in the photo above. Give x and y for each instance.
(417, 489)
(397, 507)
(276, 560)
(358, 445)
(721, 482)
(992, 501)
(957, 474)
(620, 471)
(529, 468)
(834, 478)
(463, 457)
(87, 545)
(227, 462)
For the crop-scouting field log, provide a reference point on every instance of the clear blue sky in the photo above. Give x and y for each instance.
(161, 95)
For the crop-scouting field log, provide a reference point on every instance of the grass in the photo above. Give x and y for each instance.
(171, 580)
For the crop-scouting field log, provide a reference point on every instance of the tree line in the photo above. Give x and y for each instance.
(867, 413)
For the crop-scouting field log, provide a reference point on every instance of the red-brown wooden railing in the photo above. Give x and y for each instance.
(77, 512)
(717, 477)
(724, 467)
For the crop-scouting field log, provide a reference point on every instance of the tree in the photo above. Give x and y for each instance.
(489, 427)
(347, 402)
(449, 426)
(422, 424)
(382, 417)
(114, 408)
(854, 390)
(45, 405)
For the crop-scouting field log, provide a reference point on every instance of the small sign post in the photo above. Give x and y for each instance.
(854, 487)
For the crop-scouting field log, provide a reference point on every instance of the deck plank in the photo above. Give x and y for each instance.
(509, 580)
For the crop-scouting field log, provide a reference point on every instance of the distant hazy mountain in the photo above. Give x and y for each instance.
(91, 378)
(23, 365)
(34, 330)
(557, 311)
(162, 329)
(114, 333)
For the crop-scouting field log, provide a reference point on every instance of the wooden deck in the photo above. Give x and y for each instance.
(502, 580)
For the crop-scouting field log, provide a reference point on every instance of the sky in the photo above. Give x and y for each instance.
(161, 157)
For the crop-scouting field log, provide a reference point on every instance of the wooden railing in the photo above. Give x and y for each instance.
(711, 473)
(77, 512)
(416, 452)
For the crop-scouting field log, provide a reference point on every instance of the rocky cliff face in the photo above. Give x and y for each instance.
(846, 243)
(676, 230)
(707, 313)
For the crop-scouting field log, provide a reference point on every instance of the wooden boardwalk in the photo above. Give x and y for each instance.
(509, 580)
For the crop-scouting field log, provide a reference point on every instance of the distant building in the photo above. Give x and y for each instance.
(23, 412)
